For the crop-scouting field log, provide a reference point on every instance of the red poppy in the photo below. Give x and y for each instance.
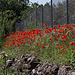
(32, 52)
(73, 50)
(45, 24)
(72, 43)
(59, 26)
(61, 46)
(8, 43)
(15, 44)
(72, 36)
(68, 46)
(65, 31)
(38, 44)
(62, 34)
(65, 36)
(63, 40)
(73, 25)
(8, 55)
(19, 38)
(43, 46)
(58, 35)
(50, 38)
(56, 47)
(5, 46)
(52, 41)
(24, 29)
(63, 54)
(42, 24)
(38, 38)
(24, 42)
(29, 43)
(58, 44)
(63, 27)
(56, 38)
(67, 25)
(65, 49)
(18, 45)
(73, 33)
(61, 50)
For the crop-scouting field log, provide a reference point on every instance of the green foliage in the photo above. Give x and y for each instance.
(10, 13)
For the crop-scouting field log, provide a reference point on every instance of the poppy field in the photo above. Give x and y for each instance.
(56, 44)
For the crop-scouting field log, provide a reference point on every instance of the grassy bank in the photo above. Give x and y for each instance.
(56, 44)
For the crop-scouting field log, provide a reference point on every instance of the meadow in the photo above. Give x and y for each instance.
(56, 45)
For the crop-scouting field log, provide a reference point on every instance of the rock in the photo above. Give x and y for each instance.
(64, 70)
(18, 66)
(35, 67)
(73, 73)
(54, 69)
(47, 70)
(69, 73)
(9, 63)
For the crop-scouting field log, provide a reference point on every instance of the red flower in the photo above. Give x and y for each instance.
(62, 34)
(59, 26)
(65, 36)
(8, 55)
(38, 38)
(68, 46)
(65, 49)
(5, 46)
(72, 43)
(29, 43)
(32, 52)
(19, 38)
(45, 24)
(63, 40)
(15, 44)
(67, 25)
(56, 47)
(63, 54)
(73, 25)
(18, 45)
(24, 29)
(24, 42)
(38, 44)
(52, 41)
(56, 38)
(73, 50)
(73, 33)
(61, 50)
(58, 35)
(50, 38)
(58, 44)
(42, 24)
(43, 46)
(72, 36)
(61, 46)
